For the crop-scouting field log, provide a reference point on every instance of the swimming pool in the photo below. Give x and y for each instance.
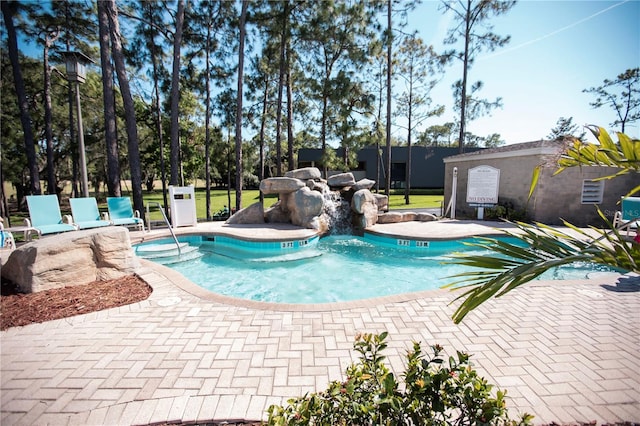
(331, 269)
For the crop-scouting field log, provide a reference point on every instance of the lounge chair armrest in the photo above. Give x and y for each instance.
(617, 219)
(68, 219)
(105, 216)
(136, 213)
(27, 223)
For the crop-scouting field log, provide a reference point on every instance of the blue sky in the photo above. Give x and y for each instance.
(557, 49)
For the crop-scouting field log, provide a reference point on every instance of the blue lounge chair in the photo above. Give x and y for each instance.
(121, 213)
(45, 217)
(85, 213)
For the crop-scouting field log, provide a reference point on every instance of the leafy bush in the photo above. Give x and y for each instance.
(435, 393)
(506, 209)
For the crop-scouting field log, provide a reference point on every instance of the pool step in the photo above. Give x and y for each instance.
(184, 257)
(253, 257)
(167, 254)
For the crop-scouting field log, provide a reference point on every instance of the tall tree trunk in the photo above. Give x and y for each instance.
(389, 64)
(129, 110)
(8, 11)
(377, 134)
(323, 134)
(207, 132)
(239, 171)
(407, 186)
(465, 66)
(263, 124)
(292, 162)
(110, 129)
(70, 100)
(50, 38)
(158, 113)
(281, 78)
(229, 169)
(174, 156)
(4, 206)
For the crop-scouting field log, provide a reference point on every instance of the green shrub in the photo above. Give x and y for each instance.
(435, 392)
(506, 209)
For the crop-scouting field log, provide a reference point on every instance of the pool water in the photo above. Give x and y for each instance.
(331, 269)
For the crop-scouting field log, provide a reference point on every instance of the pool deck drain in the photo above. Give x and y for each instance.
(565, 351)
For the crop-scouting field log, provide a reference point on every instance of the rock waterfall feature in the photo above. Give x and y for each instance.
(337, 205)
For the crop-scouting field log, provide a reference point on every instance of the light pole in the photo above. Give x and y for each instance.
(76, 72)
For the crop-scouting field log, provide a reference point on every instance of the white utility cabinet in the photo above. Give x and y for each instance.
(183, 206)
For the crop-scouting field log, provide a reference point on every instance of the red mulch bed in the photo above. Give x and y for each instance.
(18, 309)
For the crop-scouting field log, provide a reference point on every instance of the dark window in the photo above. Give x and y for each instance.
(398, 171)
(398, 175)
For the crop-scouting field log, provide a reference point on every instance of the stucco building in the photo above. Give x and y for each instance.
(571, 195)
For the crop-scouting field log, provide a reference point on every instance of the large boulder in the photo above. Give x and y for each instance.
(360, 199)
(409, 216)
(426, 217)
(382, 201)
(250, 215)
(304, 173)
(397, 217)
(280, 185)
(72, 258)
(364, 184)
(341, 180)
(365, 206)
(304, 205)
(390, 217)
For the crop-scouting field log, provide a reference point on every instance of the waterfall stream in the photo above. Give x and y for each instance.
(338, 213)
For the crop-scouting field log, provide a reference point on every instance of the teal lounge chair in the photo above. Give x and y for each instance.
(121, 213)
(45, 217)
(85, 213)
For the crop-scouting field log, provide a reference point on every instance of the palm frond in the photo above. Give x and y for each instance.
(536, 249)
(624, 155)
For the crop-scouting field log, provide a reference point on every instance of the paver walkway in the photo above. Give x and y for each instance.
(565, 351)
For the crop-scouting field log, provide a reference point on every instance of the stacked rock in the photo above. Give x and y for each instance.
(304, 200)
(338, 203)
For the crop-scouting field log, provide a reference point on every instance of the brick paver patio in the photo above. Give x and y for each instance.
(565, 351)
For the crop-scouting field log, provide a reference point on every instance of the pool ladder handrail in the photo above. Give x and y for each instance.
(166, 221)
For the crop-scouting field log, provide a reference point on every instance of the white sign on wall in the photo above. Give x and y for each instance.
(483, 185)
